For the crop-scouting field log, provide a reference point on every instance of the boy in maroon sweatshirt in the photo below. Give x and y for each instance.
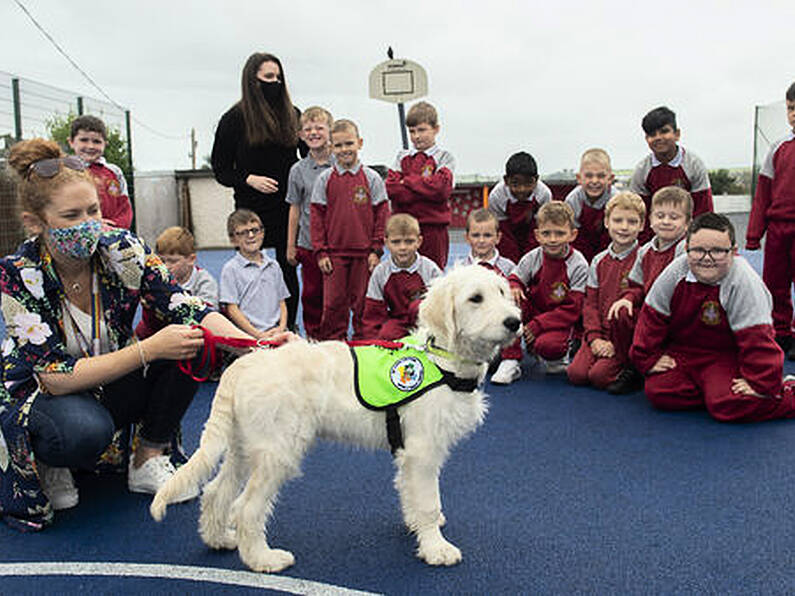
(398, 284)
(773, 213)
(348, 212)
(604, 352)
(421, 182)
(705, 335)
(549, 285)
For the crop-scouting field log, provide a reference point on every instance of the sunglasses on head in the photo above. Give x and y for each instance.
(47, 168)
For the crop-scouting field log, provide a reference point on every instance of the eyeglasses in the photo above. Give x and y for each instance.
(249, 232)
(47, 168)
(716, 254)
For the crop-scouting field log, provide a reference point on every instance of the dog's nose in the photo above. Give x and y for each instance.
(512, 324)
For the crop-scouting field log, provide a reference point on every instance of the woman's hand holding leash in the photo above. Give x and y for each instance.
(174, 342)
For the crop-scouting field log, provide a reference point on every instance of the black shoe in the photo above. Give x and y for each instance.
(628, 380)
(791, 353)
(574, 347)
(785, 342)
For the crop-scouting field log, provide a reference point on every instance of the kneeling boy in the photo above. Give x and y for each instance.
(705, 334)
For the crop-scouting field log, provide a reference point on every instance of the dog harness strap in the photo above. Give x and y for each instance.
(394, 433)
(457, 383)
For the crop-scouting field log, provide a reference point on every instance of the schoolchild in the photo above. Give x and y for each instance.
(88, 137)
(176, 247)
(773, 213)
(515, 200)
(398, 284)
(348, 213)
(315, 131)
(588, 201)
(549, 285)
(421, 182)
(705, 335)
(669, 164)
(604, 353)
(253, 291)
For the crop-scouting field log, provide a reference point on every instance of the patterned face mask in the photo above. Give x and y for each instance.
(79, 241)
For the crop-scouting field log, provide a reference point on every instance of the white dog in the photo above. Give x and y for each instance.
(272, 404)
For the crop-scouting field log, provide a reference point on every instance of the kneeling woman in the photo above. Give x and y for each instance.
(74, 376)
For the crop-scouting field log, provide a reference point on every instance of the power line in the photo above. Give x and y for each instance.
(89, 79)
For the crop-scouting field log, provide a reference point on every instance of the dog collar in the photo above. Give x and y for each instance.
(432, 348)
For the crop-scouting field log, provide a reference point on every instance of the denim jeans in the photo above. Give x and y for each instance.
(73, 430)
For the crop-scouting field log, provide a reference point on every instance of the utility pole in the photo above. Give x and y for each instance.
(193, 145)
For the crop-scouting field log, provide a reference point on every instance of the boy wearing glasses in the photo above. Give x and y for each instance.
(253, 291)
(705, 336)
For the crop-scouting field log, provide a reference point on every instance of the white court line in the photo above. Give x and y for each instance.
(201, 574)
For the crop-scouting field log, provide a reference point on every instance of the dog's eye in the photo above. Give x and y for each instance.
(477, 298)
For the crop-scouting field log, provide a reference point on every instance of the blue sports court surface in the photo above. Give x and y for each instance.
(563, 490)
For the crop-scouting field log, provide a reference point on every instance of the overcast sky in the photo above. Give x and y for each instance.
(551, 78)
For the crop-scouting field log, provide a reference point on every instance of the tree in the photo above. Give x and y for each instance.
(723, 182)
(59, 127)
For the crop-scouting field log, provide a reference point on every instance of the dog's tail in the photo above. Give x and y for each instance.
(213, 444)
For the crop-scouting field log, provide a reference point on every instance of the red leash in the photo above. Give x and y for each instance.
(209, 359)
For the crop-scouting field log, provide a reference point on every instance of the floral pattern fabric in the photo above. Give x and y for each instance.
(31, 295)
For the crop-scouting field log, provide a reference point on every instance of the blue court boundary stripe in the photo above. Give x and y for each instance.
(250, 579)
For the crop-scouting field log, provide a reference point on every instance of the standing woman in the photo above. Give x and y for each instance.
(73, 374)
(255, 145)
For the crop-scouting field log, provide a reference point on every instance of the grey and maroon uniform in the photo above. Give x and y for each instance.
(685, 170)
(393, 297)
(607, 279)
(651, 260)
(517, 219)
(349, 211)
(420, 184)
(300, 183)
(554, 290)
(715, 333)
(773, 212)
(589, 219)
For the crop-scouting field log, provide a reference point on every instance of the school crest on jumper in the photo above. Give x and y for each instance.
(559, 291)
(710, 313)
(361, 195)
(427, 170)
(624, 283)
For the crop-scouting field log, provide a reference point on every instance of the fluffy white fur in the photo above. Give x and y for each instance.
(271, 406)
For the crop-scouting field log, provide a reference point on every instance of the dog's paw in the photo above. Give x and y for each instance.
(442, 520)
(268, 560)
(439, 553)
(158, 508)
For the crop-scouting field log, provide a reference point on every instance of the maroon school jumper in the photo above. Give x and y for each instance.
(685, 170)
(589, 219)
(607, 279)
(554, 290)
(773, 211)
(420, 184)
(393, 297)
(349, 210)
(715, 333)
(112, 190)
(517, 219)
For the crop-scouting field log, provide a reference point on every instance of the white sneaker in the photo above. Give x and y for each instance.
(153, 474)
(507, 372)
(58, 486)
(556, 367)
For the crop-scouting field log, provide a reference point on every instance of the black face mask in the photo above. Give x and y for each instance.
(271, 90)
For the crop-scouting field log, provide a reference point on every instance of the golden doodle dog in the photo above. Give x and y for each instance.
(271, 405)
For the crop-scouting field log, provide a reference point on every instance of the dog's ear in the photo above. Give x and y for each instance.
(437, 310)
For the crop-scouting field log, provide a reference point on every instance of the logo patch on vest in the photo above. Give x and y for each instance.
(559, 292)
(427, 170)
(361, 195)
(407, 373)
(710, 313)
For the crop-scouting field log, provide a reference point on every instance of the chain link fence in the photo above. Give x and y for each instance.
(26, 108)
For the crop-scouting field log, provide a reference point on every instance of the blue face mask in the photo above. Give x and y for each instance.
(78, 241)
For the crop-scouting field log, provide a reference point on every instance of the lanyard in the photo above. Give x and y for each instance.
(96, 314)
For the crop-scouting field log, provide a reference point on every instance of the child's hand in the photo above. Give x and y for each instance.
(663, 364)
(517, 295)
(740, 385)
(372, 261)
(262, 183)
(324, 264)
(603, 348)
(615, 308)
(529, 338)
(292, 253)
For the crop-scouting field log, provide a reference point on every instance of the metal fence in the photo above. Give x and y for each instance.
(26, 107)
